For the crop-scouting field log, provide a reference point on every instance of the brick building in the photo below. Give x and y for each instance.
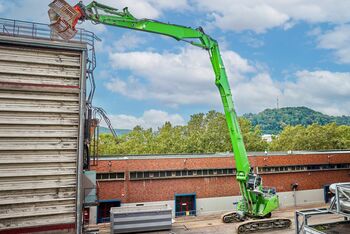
(194, 184)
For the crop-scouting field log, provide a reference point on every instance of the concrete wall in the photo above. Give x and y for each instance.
(216, 205)
(304, 197)
(221, 204)
(93, 215)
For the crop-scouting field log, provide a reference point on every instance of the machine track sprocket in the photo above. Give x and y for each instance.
(259, 225)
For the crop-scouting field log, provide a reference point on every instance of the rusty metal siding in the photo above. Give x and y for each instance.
(40, 115)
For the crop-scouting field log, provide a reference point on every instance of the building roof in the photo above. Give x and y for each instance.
(217, 155)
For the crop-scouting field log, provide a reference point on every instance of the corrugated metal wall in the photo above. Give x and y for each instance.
(39, 130)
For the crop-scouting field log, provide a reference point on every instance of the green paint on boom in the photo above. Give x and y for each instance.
(256, 202)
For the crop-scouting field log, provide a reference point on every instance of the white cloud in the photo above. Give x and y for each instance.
(150, 119)
(256, 94)
(174, 78)
(252, 41)
(142, 9)
(261, 15)
(145, 9)
(36, 10)
(328, 92)
(129, 40)
(2, 8)
(337, 39)
(186, 78)
(95, 28)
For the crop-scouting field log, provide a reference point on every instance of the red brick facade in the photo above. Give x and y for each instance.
(130, 191)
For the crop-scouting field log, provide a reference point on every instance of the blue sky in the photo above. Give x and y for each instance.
(295, 50)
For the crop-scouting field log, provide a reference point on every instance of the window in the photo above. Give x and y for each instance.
(110, 176)
(298, 168)
(139, 175)
(132, 175)
(313, 167)
(113, 175)
(146, 174)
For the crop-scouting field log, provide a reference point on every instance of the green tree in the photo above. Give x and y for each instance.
(107, 144)
(252, 136)
(194, 133)
(313, 137)
(170, 140)
(204, 133)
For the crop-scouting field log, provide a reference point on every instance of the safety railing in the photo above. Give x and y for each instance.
(19, 28)
(340, 203)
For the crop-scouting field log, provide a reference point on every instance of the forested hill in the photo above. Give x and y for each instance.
(272, 121)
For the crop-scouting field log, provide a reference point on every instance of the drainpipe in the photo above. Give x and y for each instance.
(294, 187)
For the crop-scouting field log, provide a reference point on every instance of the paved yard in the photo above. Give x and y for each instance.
(206, 224)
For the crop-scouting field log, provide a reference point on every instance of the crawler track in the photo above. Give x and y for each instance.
(232, 217)
(264, 225)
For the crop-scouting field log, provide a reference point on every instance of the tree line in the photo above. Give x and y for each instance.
(208, 133)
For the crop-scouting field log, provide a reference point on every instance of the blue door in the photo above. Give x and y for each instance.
(185, 204)
(103, 209)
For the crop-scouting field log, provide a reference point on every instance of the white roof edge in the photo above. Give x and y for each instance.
(216, 155)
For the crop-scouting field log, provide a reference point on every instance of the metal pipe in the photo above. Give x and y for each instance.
(342, 196)
(79, 197)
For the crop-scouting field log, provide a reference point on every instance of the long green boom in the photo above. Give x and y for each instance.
(256, 201)
(125, 20)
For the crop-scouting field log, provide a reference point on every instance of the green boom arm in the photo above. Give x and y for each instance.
(125, 20)
(253, 203)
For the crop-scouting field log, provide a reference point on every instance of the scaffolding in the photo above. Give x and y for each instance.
(339, 206)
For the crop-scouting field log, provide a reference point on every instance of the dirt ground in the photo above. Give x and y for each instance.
(206, 224)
